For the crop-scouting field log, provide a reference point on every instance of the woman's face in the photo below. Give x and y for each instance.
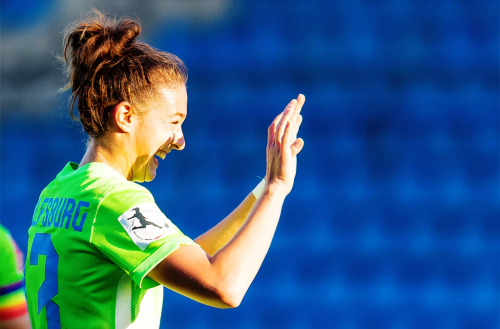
(159, 131)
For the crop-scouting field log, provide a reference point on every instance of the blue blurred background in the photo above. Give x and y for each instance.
(394, 221)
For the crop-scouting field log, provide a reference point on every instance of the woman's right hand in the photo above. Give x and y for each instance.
(283, 147)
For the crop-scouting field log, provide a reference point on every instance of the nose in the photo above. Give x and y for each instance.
(179, 143)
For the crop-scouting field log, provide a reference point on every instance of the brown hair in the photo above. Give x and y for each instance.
(106, 65)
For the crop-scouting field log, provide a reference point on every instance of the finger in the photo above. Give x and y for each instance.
(296, 118)
(287, 109)
(271, 131)
(296, 124)
(287, 138)
(297, 143)
(300, 102)
(297, 146)
(287, 114)
(301, 99)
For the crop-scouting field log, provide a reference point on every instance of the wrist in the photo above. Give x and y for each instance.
(270, 189)
(277, 190)
(259, 189)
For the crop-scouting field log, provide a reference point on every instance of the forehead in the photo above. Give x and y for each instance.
(172, 100)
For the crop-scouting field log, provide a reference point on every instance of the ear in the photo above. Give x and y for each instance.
(124, 117)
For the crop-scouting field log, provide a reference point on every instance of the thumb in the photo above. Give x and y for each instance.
(297, 146)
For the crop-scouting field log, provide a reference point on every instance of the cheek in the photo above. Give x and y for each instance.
(169, 133)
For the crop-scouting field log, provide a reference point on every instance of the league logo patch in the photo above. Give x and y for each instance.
(145, 223)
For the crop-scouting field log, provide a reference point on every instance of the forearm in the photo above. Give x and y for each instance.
(215, 238)
(238, 262)
(221, 280)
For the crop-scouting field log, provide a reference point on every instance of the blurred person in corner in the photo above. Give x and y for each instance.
(13, 309)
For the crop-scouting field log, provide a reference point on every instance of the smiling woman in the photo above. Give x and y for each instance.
(143, 134)
(99, 246)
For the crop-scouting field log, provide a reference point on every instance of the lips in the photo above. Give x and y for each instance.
(161, 154)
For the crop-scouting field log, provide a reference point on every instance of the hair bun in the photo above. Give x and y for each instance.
(126, 32)
(105, 65)
(100, 39)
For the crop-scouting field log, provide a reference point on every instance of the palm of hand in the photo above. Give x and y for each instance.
(283, 146)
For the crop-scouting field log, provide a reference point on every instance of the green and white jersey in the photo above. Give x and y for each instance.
(93, 239)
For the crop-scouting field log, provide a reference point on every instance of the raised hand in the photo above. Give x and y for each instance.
(283, 146)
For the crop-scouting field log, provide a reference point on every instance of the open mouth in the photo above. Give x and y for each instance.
(161, 154)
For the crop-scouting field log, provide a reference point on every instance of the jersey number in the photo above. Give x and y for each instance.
(42, 245)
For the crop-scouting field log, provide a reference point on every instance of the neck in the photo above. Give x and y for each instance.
(102, 151)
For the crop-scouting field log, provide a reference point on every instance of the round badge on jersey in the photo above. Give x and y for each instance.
(145, 223)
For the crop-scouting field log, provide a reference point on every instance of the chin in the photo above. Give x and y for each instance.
(148, 177)
(149, 173)
(137, 180)
(143, 180)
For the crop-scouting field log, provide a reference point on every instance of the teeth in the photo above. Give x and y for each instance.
(162, 154)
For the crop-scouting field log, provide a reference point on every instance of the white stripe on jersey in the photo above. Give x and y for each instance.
(149, 311)
(123, 298)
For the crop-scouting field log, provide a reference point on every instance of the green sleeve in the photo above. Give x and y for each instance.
(134, 233)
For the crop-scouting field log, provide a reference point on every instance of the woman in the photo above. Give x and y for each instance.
(99, 246)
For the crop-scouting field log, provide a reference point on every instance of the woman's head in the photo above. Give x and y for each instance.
(106, 65)
(131, 97)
